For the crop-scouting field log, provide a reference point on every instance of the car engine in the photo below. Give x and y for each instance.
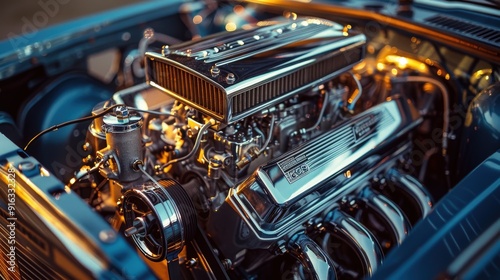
(294, 147)
(261, 143)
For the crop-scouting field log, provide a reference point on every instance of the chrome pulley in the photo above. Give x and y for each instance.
(160, 218)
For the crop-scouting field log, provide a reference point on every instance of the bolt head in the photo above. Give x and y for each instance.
(230, 79)
(121, 112)
(215, 71)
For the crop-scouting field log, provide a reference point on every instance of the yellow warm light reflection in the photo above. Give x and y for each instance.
(230, 26)
(394, 71)
(402, 62)
(197, 19)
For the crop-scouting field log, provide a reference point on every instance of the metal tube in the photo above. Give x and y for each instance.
(368, 248)
(414, 188)
(312, 257)
(400, 225)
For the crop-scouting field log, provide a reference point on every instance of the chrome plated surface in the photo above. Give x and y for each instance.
(359, 238)
(414, 188)
(315, 260)
(58, 236)
(400, 225)
(161, 235)
(298, 172)
(230, 76)
(253, 200)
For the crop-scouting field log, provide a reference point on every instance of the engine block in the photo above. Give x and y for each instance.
(263, 150)
(257, 139)
(274, 202)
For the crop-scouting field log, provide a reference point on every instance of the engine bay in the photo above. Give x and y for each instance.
(291, 146)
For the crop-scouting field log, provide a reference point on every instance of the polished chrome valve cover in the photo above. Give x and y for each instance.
(276, 199)
(230, 76)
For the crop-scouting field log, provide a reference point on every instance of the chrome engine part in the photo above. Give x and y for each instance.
(259, 149)
(160, 219)
(235, 75)
(255, 139)
(274, 202)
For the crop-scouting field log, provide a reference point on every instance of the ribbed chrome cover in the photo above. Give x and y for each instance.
(298, 172)
(230, 76)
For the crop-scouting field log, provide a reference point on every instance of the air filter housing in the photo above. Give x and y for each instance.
(232, 75)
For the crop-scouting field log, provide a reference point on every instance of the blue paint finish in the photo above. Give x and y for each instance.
(456, 225)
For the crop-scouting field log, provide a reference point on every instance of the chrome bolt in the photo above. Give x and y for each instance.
(165, 50)
(215, 71)
(230, 78)
(121, 112)
(138, 227)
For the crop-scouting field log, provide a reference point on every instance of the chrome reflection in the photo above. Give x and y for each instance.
(359, 238)
(160, 218)
(312, 257)
(387, 209)
(414, 188)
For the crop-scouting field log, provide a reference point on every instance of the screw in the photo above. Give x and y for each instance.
(138, 227)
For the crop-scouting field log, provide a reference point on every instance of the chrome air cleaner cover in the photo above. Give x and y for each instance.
(230, 76)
